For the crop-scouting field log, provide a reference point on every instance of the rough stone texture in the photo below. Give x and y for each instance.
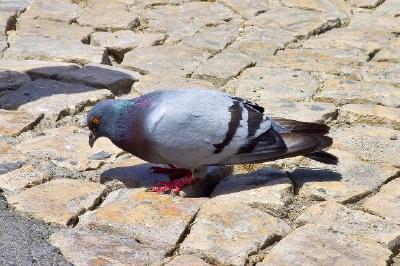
(390, 53)
(366, 3)
(381, 72)
(222, 67)
(37, 69)
(226, 232)
(352, 222)
(262, 84)
(55, 10)
(249, 8)
(59, 200)
(382, 23)
(267, 189)
(388, 8)
(115, 79)
(48, 97)
(349, 181)
(183, 260)
(13, 123)
(92, 247)
(374, 144)
(120, 42)
(351, 91)
(70, 148)
(117, 18)
(371, 114)
(174, 60)
(10, 80)
(385, 202)
(143, 216)
(50, 49)
(317, 245)
(58, 30)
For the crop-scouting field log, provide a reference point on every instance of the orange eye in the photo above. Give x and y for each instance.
(95, 120)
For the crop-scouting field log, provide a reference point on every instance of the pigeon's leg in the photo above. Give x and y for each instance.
(173, 171)
(174, 185)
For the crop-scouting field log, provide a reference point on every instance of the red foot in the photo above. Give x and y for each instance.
(174, 186)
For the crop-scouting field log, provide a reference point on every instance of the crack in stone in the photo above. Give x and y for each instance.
(258, 255)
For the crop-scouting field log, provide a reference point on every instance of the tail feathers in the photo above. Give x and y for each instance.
(301, 127)
(323, 157)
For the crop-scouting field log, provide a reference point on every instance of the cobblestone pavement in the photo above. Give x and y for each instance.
(330, 61)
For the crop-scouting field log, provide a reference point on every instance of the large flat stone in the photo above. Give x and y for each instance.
(10, 80)
(352, 222)
(250, 8)
(381, 72)
(92, 247)
(114, 79)
(15, 6)
(57, 201)
(175, 60)
(371, 114)
(370, 143)
(262, 85)
(351, 91)
(54, 29)
(388, 8)
(55, 10)
(390, 53)
(37, 69)
(226, 232)
(347, 182)
(117, 18)
(183, 260)
(51, 49)
(13, 123)
(267, 189)
(222, 67)
(385, 202)
(69, 148)
(49, 97)
(363, 21)
(317, 245)
(120, 42)
(143, 216)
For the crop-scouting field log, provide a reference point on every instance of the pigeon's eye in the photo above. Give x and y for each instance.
(95, 120)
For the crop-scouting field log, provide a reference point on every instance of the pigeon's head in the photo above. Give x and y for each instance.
(106, 119)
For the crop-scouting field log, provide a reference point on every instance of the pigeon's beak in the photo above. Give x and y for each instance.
(92, 139)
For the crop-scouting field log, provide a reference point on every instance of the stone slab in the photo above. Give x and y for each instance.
(381, 72)
(55, 10)
(13, 123)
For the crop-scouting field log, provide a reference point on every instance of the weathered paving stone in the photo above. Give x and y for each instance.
(15, 5)
(50, 49)
(385, 203)
(10, 80)
(302, 23)
(317, 245)
(267, 189)
(352, 91)
(183, 260)
(186, 19)
(259, 43)
(347, 182)
(390, 53)
(150, 83)
(311, 60)
(93, 247)
(388, 8)
(58, 10)
(120, 42)
(227, 232)
(49, 97)
(100, 76)
(302, 111)
(37, 69)
(144, 216)
(213, 38)
(250, 8)
(7, 21)
(54, 29)
(222, 67)
(262, 83)
(370, 143)
(366, 3)
(353, 43)
(381, 72)
(70, 148)
(371, 114)
(362, 21)
(13, 123)
(175, 60)
(117, 18)
(57, 201)
(352, 222)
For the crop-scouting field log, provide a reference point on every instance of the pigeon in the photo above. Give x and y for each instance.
(191, 129)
